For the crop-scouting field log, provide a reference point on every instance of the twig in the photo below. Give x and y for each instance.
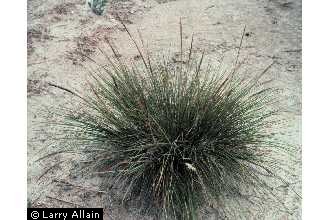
(211, 6)
(31, 64)
(237, 56)
(78, 186)
(49, 169)
(240, 46)
(44, 61)
(181, 46)
(293, 51)
(60, 200)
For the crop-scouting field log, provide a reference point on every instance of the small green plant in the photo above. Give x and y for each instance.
(97, 6)
(177, 136)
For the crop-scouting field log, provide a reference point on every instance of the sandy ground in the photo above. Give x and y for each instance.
(57, 30)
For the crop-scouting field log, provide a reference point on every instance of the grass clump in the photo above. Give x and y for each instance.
(176, 137)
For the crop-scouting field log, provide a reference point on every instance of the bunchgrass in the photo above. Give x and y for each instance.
(178, 136)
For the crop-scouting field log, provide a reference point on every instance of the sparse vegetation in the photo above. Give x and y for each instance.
(177, 136)
(37, 34)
